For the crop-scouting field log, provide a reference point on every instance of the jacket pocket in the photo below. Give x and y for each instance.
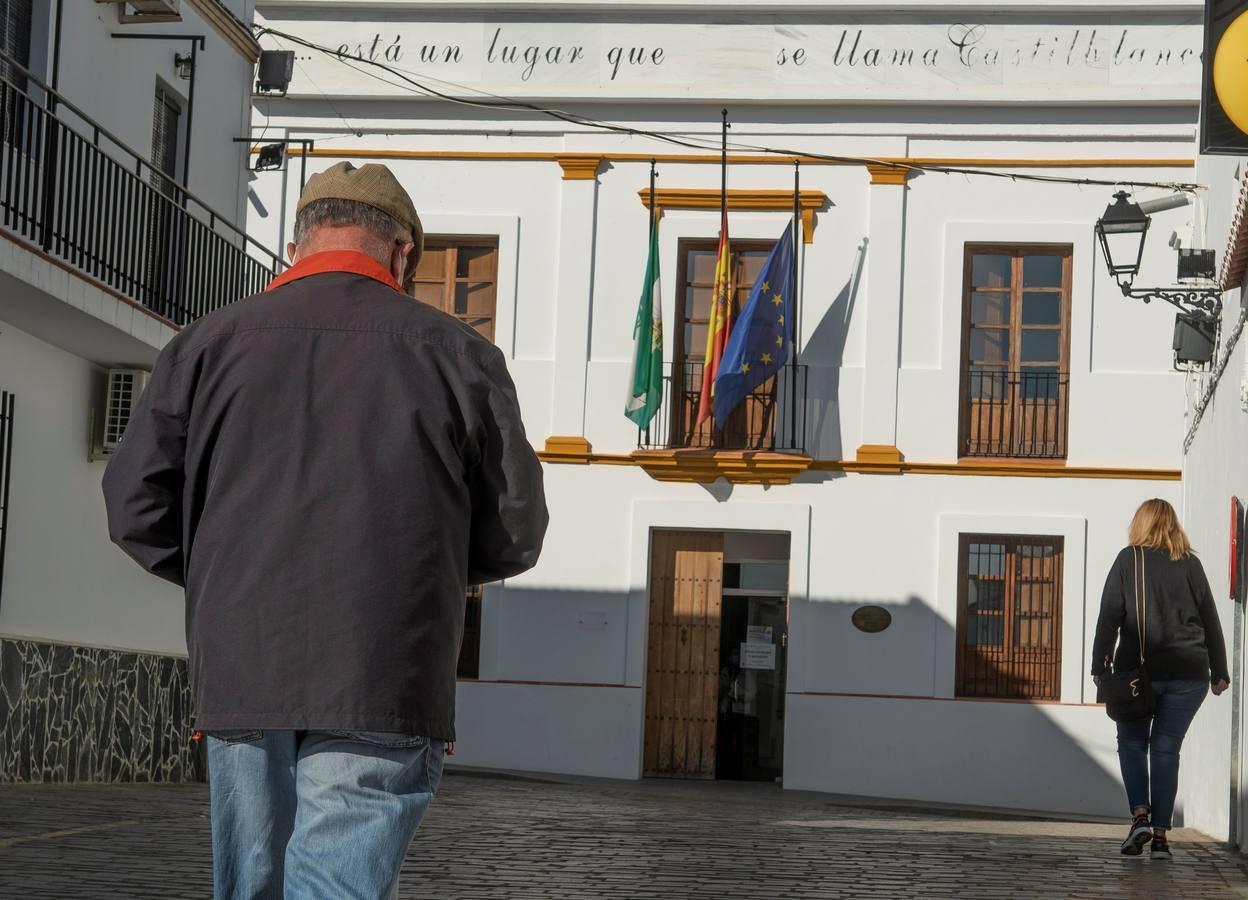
(390, 740)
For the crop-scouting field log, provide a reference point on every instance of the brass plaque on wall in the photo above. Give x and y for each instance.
(872, 619)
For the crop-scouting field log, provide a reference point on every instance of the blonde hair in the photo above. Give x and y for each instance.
(1156, 526)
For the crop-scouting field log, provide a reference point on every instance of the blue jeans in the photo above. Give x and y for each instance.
(298, 815)
(1158, 738)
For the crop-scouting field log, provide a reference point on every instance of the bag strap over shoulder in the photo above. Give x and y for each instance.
(1141, 599)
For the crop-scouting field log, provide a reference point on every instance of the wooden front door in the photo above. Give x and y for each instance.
(682, 669)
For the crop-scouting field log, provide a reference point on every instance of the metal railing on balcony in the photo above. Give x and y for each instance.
(771, 417)
(84, 197)
(1015, 415)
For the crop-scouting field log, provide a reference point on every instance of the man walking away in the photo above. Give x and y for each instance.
(325, 467)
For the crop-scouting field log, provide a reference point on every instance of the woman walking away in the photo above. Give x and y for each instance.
(1158, 607)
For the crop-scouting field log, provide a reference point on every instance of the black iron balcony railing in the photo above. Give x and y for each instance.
(1016, 415)
(84, 197)
(771, 417)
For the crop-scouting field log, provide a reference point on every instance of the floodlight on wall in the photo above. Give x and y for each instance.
(270, 157)
(1121, 232)
(185, 64)
(274, 72)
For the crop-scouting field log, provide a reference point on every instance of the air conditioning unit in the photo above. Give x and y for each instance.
(140, 11)
(111, 414)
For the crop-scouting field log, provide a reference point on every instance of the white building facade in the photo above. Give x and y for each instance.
(886, 581)
(122, 200)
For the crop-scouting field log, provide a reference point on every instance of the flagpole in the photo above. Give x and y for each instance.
(723, 168)
(795, 320)
(650, 243)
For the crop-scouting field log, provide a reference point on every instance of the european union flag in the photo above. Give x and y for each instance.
(759, 344)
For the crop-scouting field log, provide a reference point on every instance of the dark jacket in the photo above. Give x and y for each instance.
(325, 467)
(1183, 637)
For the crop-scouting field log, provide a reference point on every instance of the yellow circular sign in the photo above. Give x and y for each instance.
(1230, 72)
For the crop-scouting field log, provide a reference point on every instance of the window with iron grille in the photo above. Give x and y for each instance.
(6, 472)
(15, 33)
(1009, 617)
(752, 426)
(459, 275)
(166, 127)
(470, 650)
(1015, 351)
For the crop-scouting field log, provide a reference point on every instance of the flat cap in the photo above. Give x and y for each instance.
(374, 185)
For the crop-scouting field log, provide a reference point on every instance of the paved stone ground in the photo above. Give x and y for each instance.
(509, 838)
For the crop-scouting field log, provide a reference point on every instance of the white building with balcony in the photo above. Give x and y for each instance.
(883, 578)
(122, 196)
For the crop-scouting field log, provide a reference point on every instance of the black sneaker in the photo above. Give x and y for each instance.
(1140, 834)
(1160, 848)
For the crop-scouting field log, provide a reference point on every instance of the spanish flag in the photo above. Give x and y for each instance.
(720, 325)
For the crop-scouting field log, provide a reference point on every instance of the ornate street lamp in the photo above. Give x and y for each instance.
(1121, 232)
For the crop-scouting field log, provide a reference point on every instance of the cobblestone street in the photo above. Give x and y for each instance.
(493, 837)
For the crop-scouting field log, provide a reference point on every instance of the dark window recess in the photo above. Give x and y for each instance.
(470, 649)
(162, 271)
(1015, 351)
(15, 29)
(6, 472)
(1009, 617)
(166, 124)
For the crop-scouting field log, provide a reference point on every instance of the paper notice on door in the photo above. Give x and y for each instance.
(758, 656)
(758, 634)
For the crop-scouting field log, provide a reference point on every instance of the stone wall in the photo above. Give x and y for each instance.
(71, 713)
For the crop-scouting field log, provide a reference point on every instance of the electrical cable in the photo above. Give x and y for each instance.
(498, 102)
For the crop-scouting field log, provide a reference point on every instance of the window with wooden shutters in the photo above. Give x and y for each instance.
(1015, 351)
(752, 426)
(1009, 617)
(459, 275)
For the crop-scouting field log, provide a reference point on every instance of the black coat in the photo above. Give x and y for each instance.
(1182, 634)
(325, 467)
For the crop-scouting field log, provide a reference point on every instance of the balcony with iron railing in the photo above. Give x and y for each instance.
(83, 197)
(771, 418)
(1014, 415)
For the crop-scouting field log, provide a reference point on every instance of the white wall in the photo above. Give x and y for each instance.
(63, 580)
(1213, 473)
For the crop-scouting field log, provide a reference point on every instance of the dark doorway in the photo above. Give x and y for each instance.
(753, 643)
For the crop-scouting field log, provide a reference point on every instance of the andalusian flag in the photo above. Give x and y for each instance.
(646, 392)
(720, 325)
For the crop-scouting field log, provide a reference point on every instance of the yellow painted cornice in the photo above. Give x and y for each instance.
(761, 467)
(772, 201)
(234, 32)
(883, 173)
(580, 166)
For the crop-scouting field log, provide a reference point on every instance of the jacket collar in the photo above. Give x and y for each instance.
(351, 261)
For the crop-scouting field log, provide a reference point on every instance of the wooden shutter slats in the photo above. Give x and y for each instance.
(682, 681)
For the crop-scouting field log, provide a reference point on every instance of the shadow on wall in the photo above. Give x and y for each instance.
(824, 352)
(862, 715)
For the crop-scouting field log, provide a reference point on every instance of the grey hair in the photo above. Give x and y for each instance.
(339, 213)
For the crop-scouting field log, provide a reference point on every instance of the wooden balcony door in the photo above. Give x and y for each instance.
(682, 667)
(752, 426)
(1016, 351)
